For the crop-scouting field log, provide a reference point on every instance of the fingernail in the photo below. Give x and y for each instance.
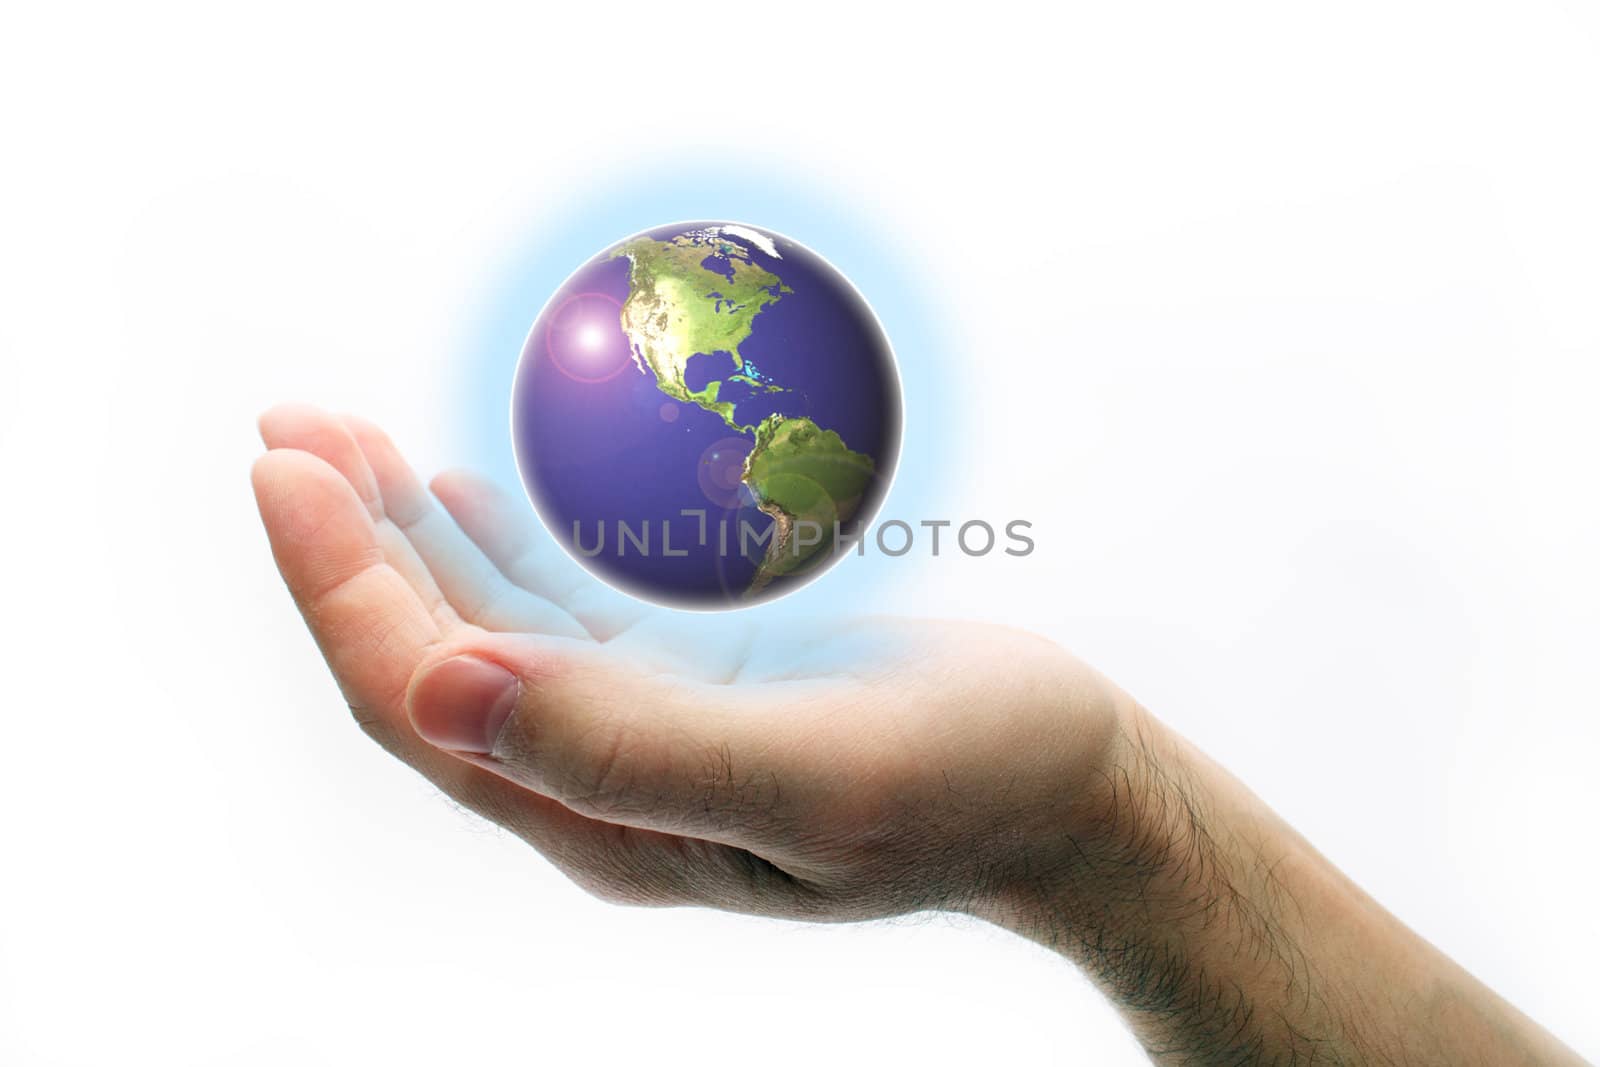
(461, 704)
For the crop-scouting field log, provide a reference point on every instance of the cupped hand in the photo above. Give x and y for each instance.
(832, 771)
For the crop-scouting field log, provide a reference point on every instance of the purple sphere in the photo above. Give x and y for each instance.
(706, 415)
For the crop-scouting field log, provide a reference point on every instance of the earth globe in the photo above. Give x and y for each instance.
(706, 415)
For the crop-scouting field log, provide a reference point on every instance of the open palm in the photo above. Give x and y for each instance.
(827, 772)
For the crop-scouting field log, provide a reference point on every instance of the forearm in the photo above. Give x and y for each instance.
(921, 764)
(1224, 937)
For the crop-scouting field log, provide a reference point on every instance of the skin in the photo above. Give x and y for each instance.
(860, 771)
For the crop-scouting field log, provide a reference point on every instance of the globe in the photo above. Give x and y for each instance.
(706, 415)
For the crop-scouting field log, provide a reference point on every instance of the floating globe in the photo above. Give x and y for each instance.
(706, 415)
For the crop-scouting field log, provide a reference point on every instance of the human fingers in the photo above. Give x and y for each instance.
(477, 590)
(504, 530)
(373, 630)
(307, 429)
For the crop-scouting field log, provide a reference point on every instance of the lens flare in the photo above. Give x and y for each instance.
(584, 338)
(720, 472)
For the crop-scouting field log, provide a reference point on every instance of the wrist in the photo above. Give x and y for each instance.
(1114, 851)
(1186, 900)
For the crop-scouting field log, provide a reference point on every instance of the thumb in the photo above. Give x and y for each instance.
(582, 725)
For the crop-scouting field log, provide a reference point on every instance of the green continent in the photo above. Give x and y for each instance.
(678, 308)
(806, 479)
(801, 475)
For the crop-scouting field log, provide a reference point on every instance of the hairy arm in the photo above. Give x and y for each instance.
(1224, 937)
(845, 772)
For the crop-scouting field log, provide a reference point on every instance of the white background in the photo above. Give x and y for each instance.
(1281, 326)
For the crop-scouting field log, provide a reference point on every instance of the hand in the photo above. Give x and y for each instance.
(842, 771)
(845, 771)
